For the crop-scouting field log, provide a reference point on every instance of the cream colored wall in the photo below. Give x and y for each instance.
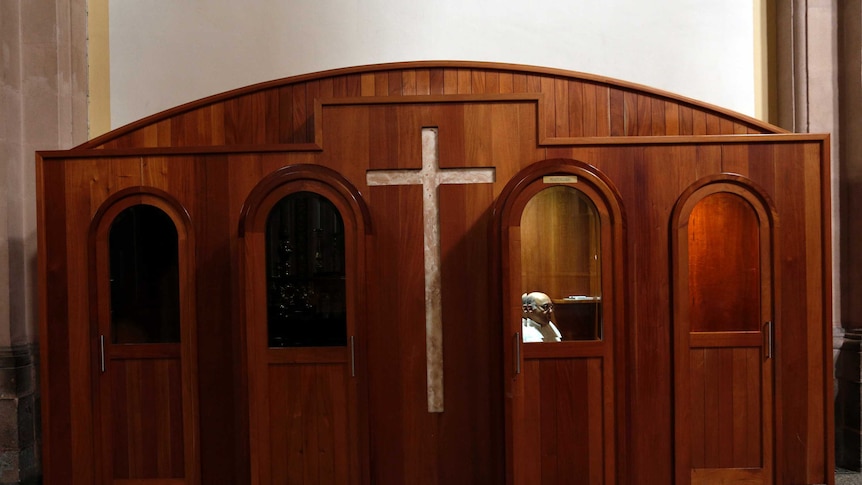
(163, 54)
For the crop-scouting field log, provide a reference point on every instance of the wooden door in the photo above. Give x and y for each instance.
(561, 239)
(145, 364)
(302, 251)
(724, 336)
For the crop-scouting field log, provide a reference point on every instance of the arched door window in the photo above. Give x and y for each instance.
(144, 275)
(561, 260)
(306, 300)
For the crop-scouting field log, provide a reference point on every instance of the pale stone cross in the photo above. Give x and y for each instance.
(431, 177)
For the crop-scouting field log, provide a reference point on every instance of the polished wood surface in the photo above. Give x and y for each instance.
(724, 333)
(146, 405)
(651, 150)
(571, 105)
(565, 402)
(307, 425)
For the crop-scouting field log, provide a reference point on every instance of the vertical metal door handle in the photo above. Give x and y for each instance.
(102, 352)
(770, 339)
(352, 358)
(517, 353)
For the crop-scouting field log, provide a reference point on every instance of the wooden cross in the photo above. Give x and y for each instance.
(431, 177)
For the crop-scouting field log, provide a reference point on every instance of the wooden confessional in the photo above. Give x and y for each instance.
(322, 280)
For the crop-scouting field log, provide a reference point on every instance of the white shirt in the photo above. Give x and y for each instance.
(533, 332)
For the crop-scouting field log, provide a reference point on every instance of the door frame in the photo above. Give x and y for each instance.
(770, 312)
(507, 213)
(100, 309)
(252, 227)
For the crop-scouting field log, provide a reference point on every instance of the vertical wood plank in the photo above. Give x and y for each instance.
(617, 112)
(367, 84)
(507, 82)
(395, 83)
(713, 124)
(816, 182)
(698, 123)
(631, 113)
(671, 118)
(339, 87)
(465, 225)
(644, 118)
(589, 109)
(712, 410)
(285, 114)
(423, 81)
(597, 418)
(477, 82)
(492, 82)
(603, 112)
(576, 109)
(465, 81)
(686, 120)
(698, 416)
(450, 81)
(549, 382)
(408, 83)
(312, 94)
(300, 113)
(437, 81)
(354, 85)
(658, 117)
(561, 108)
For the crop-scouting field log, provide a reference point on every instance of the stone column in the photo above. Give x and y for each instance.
(43, 106)
(819, 82)
(847, 368)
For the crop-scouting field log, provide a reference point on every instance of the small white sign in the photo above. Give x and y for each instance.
(560, 179)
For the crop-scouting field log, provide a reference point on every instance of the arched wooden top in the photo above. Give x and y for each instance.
(573, 107)
(349, 195)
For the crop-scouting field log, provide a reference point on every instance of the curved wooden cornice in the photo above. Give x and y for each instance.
(573, 108)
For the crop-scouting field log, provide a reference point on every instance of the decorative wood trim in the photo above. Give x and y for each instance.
(546, 73)
(294, 173)
(87, 153)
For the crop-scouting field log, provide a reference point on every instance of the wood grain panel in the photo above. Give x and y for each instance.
(656, 179)
(87, 188)
(566, 403)
(471, 431)
(249, 115)
(726, 408)
(53, 328)
(561, 108)
(308, 424)
(147, 429)
(792, 308)
(404, 431)
(216, 299)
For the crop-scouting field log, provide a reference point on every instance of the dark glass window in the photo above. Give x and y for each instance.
(306, 300)
(144, 272)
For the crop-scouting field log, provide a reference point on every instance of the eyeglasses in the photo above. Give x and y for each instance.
(528, 307)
